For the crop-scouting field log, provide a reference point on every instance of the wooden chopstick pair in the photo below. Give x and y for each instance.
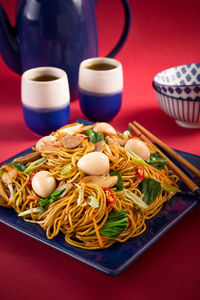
(144, 133)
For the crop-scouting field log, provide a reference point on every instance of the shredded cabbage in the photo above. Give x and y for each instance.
(28, 211)
(92, 201)
(137, 200)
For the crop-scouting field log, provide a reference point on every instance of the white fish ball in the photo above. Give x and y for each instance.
(94, 163)
(43, 184)
(104, 128)
(138, 147)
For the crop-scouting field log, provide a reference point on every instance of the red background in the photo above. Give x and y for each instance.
(163, 34)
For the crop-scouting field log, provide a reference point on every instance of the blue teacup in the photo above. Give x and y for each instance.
(45, 99)
(100, 88)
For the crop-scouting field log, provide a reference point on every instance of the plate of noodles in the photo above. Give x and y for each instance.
(98, 195)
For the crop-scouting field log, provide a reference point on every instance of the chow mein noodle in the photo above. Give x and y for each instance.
(95, 185)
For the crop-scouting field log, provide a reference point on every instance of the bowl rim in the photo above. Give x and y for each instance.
(196, 99)
(175, 85)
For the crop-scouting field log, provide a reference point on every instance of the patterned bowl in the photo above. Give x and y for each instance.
(178, 93)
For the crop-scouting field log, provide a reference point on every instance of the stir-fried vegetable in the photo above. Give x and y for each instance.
(66, 170)
(115, 224)
(92, 201)
(34, 165)
(54, 196)
(157, 161)
(79, 200)
(35, 172)
(44, 203)
(17, 165)
(119, 185)
(126, 134)
(150, 188)
(11, 190)
(28, 211)
(138, 203)
(101, 244)
(94, 136)
(140, 172)
(171, 188)
(109, 196)
(135, 157)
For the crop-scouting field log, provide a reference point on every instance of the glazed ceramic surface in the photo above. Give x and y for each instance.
(100, 91)
(178, 92)
(54, 33)
(46, 104)
(181, 81)
(186, 112)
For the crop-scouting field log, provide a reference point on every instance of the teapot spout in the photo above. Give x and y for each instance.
(9, 46)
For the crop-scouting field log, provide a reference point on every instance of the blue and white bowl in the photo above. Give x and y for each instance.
(178, 93)
(181, 81)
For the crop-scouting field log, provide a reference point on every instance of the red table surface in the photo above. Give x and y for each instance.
(163, 34)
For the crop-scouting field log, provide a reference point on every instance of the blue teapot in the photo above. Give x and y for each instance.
(58, 33)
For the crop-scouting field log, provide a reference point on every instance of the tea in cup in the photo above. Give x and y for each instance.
(45, 99)
(100, 87)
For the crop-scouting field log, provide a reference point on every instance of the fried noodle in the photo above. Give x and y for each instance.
(76, 219)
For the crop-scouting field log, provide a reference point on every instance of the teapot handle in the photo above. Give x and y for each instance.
(127, 25)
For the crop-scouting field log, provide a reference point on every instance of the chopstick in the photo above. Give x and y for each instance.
(191, 185)
(174, 154)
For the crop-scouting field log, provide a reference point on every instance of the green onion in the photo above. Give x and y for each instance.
(34, 165)
(171, 188)
(136, 158)
(53, 197)
(66, 170)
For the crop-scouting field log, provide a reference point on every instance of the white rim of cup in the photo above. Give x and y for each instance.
(92, 60)
(31, 73)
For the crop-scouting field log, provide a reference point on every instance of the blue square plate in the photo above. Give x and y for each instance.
(118, 257)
